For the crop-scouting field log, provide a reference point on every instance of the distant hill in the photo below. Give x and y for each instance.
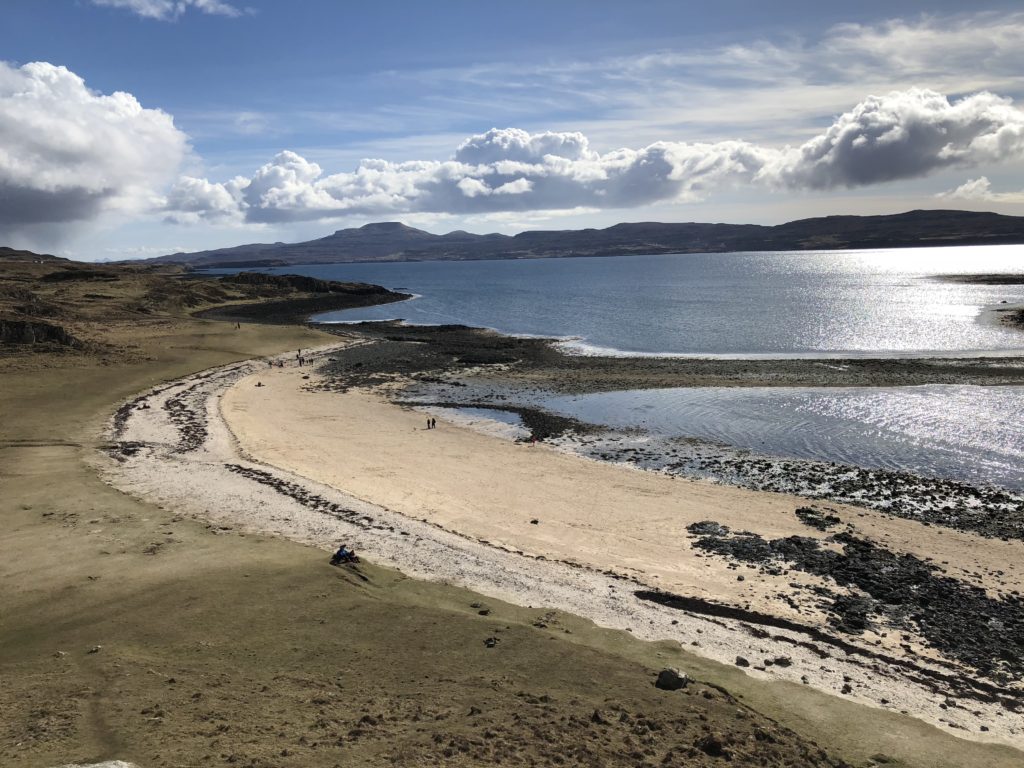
(12, 254)
(393, 241)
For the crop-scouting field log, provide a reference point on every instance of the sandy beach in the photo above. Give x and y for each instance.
(604, 516)
(458, 507)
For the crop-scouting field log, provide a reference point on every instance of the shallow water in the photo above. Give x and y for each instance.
(776, 304)
(965, 433)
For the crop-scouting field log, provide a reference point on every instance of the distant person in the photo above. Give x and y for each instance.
(428, 422)
(433, 423)
(344, 555)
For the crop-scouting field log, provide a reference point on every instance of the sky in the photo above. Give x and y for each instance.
(135, 128)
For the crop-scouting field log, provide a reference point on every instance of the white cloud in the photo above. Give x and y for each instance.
(906, 135)
(980, 190)
(514, 145)
(69, 154)
(902, 135)
(169, 10)
(191, 200)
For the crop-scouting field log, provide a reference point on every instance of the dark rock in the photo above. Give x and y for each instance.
(957, 618)
(671, 680)
(35, 332)
(742, 662)
(708, 528)
(817, 518)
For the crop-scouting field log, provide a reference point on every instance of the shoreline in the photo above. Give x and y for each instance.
(867, 683)
(989, 510)
(456, 366)
(144, 630)
(421, 351)
(577, 347)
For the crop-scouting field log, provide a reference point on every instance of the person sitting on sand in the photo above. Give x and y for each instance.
(344, 555)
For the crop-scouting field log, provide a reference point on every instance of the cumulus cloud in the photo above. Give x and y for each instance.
(169, 10)
(191, 200)
(68, 154)
(906, 135)
(980, 190)
(902, 135)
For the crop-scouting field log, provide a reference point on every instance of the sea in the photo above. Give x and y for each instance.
(809, 304)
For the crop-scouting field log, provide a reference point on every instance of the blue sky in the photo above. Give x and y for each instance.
(269, 120)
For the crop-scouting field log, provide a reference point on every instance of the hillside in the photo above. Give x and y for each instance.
(393, 241)
(12, 254)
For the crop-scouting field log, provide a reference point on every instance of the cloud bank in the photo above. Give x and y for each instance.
(170, 10)
(68, 154)
(902, 135)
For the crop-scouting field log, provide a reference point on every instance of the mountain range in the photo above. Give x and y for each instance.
(394, 241)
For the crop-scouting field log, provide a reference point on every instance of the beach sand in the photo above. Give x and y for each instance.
(594, 513)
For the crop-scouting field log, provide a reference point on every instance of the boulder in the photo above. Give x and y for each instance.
(671, 680)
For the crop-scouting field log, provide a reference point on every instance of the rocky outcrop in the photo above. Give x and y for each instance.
(301, 283)
(27, 332)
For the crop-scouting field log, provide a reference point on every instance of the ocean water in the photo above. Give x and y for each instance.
(826, 303)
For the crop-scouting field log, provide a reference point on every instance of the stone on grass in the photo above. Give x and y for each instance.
(671, 680)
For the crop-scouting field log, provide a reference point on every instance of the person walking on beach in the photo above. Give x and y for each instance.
(433, 423)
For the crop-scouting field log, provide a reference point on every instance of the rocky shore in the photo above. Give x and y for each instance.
(421, 351)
